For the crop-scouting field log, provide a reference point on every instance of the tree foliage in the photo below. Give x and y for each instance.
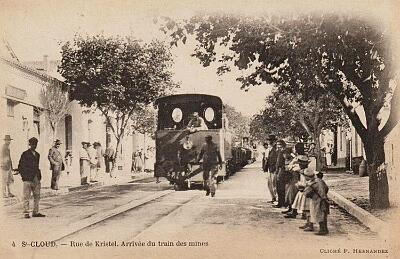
(116, 75)
(56, 104)
(238, 123)
(144, 121)
(290, 116)
(312, 54)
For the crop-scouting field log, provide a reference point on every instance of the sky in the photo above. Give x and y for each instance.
(36, 27)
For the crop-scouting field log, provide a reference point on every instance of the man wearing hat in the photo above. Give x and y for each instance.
(56, 164)
(93, 162)
(280, 174)
(29, 170)
(211, 159)
(84, 161)
(6, 167)
(196, 123)
(270, 164)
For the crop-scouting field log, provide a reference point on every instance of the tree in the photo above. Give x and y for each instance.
(238, 123)
(277, 119)
(258, 129)
(345, 56)
(56, 104)
(116, 75)
(143, 120)
(289, 115)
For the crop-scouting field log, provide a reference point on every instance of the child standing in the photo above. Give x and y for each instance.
(319, 207)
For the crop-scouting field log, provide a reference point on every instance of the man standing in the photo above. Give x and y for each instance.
(280, 173)
(6, 167)
(29, 170)
(56, 164)
(84, 161)
(109, 159)
(264, 152)
(211, 158)
(93, 163)
(270, 160)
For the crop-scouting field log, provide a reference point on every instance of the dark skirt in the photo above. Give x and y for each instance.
(291, 189)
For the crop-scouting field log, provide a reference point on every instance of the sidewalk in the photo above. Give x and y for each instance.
(70, 184)
(351, 192)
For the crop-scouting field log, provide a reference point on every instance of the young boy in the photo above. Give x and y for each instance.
(319, 207)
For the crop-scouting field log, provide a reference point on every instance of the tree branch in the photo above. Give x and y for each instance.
(105, 113)
(354, 118)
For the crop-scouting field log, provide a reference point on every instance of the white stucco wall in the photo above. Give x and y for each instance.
(392, 154)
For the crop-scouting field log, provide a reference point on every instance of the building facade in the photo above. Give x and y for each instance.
(23, 117)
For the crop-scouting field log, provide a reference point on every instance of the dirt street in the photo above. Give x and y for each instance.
(149, 220)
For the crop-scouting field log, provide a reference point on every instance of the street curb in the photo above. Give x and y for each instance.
(366, 218)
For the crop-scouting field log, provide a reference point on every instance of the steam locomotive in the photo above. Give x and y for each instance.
(178, 146)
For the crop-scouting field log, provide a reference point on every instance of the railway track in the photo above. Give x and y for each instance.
(128, 219)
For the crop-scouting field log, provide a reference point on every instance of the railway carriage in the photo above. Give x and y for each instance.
(177, 147)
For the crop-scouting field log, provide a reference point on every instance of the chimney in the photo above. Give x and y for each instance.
(46, 63)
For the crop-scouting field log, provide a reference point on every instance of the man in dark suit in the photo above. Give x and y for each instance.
(56, 164)
(29, 170)
(280, 172)
(270, 165)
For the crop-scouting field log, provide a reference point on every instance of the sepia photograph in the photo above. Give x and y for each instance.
(199, 129)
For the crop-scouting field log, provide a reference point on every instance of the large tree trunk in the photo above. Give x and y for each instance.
(378, 181)
(117, 153)
(318, 156)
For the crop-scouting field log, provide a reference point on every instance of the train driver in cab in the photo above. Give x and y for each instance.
(196, 123)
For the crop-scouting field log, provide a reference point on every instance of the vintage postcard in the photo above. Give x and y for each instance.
(199, 129)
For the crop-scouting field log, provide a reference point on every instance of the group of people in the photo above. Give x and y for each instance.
(92, 160)
(294, 186)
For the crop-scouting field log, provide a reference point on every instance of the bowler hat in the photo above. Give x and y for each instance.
(208, 137)
(271, 137)
(309, 172)
(33, 140)
(7, 137)
(57, 142)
